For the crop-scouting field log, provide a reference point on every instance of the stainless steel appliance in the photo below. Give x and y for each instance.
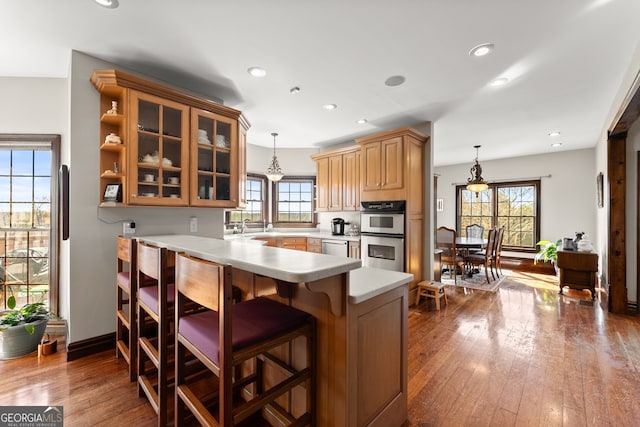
(335, 247)
(337, 226)
(382, 234)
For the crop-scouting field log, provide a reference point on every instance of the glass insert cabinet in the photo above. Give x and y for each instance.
(163, 147)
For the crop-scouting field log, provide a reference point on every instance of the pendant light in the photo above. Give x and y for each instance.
(476, 183)
(274, 173)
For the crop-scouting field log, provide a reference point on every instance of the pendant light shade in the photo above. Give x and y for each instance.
(274, 173)
(476, 183)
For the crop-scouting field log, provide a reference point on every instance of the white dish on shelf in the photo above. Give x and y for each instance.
(204, 141)
(173, 196)
(149, 194)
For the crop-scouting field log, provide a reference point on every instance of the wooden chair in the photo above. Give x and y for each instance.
(126, 302)
(155, 318)
(224, 336)
(475, 230)
(433, 290)
(497, 252)
(446, 240)
(485, 258)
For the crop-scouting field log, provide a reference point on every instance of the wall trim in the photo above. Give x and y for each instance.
(76, 350)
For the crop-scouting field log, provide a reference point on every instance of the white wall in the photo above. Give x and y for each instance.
(293, 161)
(567, 199)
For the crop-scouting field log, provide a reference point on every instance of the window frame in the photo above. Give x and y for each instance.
(274, 201)
(494, 214)
(265, 202)
(53, 142)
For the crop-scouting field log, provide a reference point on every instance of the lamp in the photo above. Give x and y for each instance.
(476, 183)
(274, 173)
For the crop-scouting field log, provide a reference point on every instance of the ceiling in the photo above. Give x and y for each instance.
(565, 60)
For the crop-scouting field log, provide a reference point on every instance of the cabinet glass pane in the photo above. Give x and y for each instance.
(205, 187)
(171, 152)
(223, 134)
(223, 161)
(171, 122)
(148, 148)
(205, 130)
(148, 116)
(205, 159)
(223, 188)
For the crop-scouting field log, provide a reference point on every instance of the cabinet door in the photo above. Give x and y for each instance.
(322, 184)
(371, 161)
(159, 151)
(351, 181)
(242, 167)
(391, 163)
(335, 183)
(214, 156)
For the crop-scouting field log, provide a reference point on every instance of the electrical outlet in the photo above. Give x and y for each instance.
(193, 224)
(128, 228)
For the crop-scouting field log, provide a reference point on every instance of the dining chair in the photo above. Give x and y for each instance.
(126, 303)
(484, 258)
(224, 336)
(446, 241)
(497, 252)
(155, 321)
(475, 230)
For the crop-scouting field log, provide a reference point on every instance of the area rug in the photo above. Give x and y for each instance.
(477, 281)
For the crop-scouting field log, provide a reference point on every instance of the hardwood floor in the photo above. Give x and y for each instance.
(521, 356)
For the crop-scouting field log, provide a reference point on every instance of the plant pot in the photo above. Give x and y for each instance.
(16, 341)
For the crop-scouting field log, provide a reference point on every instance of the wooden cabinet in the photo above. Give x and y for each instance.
(158, 151)
(214, 151)
(297, 243)
(314, 245)
(338, 180)
(392, 165)
(175, 149)
(578, 270)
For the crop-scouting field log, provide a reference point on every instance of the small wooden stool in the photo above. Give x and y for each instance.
(433, 290)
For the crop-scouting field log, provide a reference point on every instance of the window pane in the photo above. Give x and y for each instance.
(5, 162)
(42, 163)
(22, 163)
(21, 190)
(295, 201)
(4, 189)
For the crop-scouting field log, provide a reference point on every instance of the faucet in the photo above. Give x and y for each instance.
(244, 225)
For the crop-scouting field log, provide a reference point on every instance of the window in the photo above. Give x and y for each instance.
(512, 205)
(28, 219)
(293, 202)
(256, 210)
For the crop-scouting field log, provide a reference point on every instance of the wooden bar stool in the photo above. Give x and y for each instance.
(433, 290)
(155, 321)
(126, 301)
(223, 336)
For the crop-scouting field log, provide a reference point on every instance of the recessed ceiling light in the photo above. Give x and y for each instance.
(556, 144)
(361, 121)
(330, 106)
(294, 90)
(554, 133)
(499, 81)
(481, 50)
(110, 4)
(395, 80)
(257, 71)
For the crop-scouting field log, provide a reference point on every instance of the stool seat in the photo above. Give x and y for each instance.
(433, 290)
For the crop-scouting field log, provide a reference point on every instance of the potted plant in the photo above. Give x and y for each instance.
(21, 330)
(548, 252)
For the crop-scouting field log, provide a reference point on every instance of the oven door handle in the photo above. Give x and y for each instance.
(392, 236)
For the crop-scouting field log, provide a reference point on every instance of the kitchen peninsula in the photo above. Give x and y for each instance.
(357, 310)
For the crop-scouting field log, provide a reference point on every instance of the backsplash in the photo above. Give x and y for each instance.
(324, 219)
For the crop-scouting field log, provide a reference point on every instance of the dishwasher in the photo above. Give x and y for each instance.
(335, 247)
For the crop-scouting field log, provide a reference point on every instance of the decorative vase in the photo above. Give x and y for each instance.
(16, 341)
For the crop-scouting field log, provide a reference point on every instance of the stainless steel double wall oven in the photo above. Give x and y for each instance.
(382, 234)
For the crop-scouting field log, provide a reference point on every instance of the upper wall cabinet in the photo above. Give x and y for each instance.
(338, 180)
(162, 147)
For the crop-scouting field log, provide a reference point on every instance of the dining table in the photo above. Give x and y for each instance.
(466, 243)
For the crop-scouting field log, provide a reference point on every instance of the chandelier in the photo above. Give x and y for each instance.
(274, 173)
(476, 183)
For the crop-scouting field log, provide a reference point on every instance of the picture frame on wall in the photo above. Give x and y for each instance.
(600, 189)
(112, 193)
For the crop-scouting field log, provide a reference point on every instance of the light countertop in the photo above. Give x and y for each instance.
(279, 263)
(367, 282)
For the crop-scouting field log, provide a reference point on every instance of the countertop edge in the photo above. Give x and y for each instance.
(367, 282)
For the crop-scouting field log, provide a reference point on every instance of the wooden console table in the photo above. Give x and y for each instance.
(578, 270)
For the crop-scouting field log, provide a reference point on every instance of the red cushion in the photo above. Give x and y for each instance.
(149, 296)
(253, 321)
